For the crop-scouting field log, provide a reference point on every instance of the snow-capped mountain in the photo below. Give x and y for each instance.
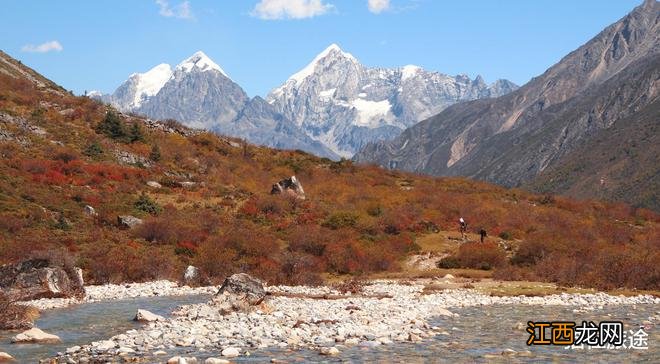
(198, 93)
(345, 105)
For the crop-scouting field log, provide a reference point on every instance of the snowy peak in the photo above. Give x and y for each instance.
(201, 62)
(332, 52)
(149, 83)
(409, 71)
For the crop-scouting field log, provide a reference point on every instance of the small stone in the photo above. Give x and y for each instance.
(216, 361)
(104, 345)
(329, 351)
(125, 350)
(448, 276)
(159, 352)
(231, 352)
(73, 349)
(352, 341)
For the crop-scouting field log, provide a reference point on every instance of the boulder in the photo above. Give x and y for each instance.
(154, 184)
(38, 278)
(146, 316)
(187, 184)
(128, 221)
(239, 293)
(4, 357)
(330, 351)
(192, 277)
(289, 186)
(35, 335)
(244, 284)
(90, 211)
(230, 352)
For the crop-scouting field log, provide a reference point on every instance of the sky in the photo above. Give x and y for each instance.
(96, 45)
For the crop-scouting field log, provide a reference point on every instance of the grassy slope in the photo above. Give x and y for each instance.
(356, 219)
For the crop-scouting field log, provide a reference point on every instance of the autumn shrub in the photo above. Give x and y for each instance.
(450, 262)
(308, 239)
(480, 255)
(342, 219)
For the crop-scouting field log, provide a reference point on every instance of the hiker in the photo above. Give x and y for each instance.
(483, 234)
(463, 226)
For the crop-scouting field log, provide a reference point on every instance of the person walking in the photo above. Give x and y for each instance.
(483, 234)
(463, 227)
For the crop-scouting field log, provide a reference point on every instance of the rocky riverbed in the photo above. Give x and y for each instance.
(319, 319)
(122, 291)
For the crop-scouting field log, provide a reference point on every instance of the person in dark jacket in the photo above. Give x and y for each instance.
(483, 234)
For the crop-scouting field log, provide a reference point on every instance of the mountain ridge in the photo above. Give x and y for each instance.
(345, 104)
(512, 139)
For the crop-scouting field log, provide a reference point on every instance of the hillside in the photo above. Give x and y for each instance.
(621, 163)
(71, 166)
(513, 139)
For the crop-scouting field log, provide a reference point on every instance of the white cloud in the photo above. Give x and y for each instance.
(181, 11)
(53, 45)
(378, 6)
(290, 9)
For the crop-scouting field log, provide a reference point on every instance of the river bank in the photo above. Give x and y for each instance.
(320, 319)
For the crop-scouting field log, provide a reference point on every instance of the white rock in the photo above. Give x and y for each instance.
(231, 352)
(146, 316)
(104, 345)
(5, 357)
(154, 184)
(329, 351)
(35, 335)
(216, 361)
(73, 349)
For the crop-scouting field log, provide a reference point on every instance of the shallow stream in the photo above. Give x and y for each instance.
(479, 334)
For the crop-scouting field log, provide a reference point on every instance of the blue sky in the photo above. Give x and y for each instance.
(95, 45)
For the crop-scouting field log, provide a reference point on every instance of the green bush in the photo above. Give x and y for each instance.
(448, 263)
(340, 220)
(146, 204)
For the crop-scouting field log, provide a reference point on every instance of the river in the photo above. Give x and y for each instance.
(478, 334)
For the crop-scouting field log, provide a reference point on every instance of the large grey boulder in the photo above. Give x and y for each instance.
(38, 278)
(289, 186)
(239, 293)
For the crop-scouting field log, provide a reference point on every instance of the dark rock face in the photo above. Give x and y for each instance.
(512, 139)
(37, 278)
(289, 186)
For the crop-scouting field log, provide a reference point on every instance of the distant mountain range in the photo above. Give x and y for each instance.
(331, 108)
(551, 134)
(198, 93)
(344, 104)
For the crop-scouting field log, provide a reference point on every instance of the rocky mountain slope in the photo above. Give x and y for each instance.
(514, 138)
(198, 93)
(344, 104)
